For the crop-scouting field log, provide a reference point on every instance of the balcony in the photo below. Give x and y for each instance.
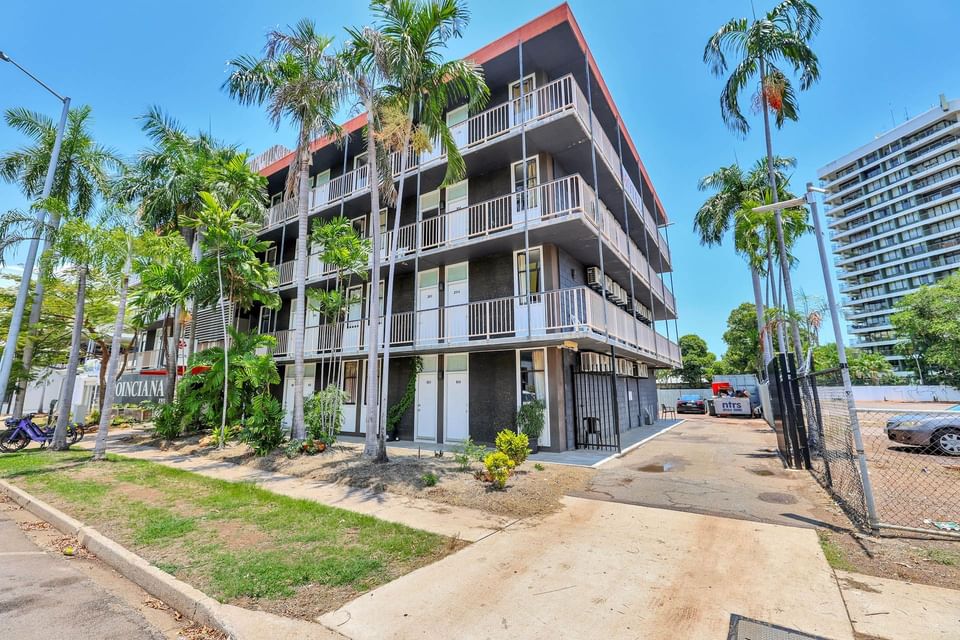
(561, 200)
(145, 359)
(565, 314)
(555, 99)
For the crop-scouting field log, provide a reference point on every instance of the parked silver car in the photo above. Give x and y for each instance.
(937, 432)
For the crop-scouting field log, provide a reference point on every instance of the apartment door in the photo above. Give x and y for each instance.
(458, 214)
(532, 385)
(290, 384)
(431, 234)
(529, 312)
(428, 306)
(523, 109)
(425, 418)
(360, 170)
(456, 302)
(320, 189)
(353, 325)
(353, 381)
(311, 324)
(380, 325)
(456, 397)
(458, 123)
(526, 176)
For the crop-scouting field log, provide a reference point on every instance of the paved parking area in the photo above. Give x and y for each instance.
(718, 466)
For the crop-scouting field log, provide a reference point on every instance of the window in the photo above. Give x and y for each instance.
(525, 180)
(350, 374)
(458, 115)
(266, 317)
(528, 275)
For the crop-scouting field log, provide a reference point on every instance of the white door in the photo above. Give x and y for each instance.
(458, 215)
(458, 125)
(428, 303)
(456, 309)
(430, 233)
(311, 324)
(456, 397)
(360, 172)
(319, 189)
(529, 313)
(523, 109)
(425, 419)
(526, 199)
(380, 325)
(352, 326)
(290, 380)
(352, 387)
(314, 262)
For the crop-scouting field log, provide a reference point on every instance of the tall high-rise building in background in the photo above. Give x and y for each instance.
(894, 209)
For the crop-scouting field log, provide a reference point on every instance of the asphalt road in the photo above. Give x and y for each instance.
(42, 596)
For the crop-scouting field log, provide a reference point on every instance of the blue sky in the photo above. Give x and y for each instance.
(880, 60)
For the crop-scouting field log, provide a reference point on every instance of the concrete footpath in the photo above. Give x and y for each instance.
(455, 522)
(610, 570)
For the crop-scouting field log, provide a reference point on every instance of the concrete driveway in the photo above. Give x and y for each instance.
(610, 570)
(717, 466)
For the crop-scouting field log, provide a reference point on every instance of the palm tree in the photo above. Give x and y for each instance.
(422, 85)
(82, 176)
(231, 249)
(726, 210)
(295, 79)
(781, 37)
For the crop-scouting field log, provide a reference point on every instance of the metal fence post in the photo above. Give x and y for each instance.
(844, 369)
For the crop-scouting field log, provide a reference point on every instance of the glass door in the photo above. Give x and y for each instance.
(523, 104)
(529, 312)
(526, 201)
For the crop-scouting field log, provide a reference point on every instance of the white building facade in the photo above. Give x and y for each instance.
(894, 210)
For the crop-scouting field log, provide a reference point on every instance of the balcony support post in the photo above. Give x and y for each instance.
(526, 196)
(676, 329)
(626, 222)
(646, 247)
(603, 273)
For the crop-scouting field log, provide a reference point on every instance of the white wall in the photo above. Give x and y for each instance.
(907, 393)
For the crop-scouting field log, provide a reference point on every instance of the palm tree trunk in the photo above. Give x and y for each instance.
(110, 387)
(392, 261)
(226, 356)
(374, 445)
(781, 335)
(774, 195)
(192, 341)
(170, 387)
(300, 278)
(763, 335)
(35, 308)
(66, 392)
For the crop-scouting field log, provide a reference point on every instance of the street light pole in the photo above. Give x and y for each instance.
(10, 346)
(842, 358)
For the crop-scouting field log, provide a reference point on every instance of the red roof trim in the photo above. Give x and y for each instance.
(552, 18)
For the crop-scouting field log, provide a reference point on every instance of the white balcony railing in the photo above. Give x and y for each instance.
(577, 310)
(556, 97)
(144, 359)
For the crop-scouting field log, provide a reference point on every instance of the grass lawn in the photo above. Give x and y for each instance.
(236, 542)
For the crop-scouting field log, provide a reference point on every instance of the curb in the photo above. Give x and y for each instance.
(189, 601)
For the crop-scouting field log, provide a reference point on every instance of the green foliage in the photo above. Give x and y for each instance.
(168, 420)
(468, 453)
(515, 446)
(864, 367)
(499, 467)
(93, 417)
(322, 414)
(539, 467)
(429, 479)
(743, 342)
(530, 419)
(261, 427)
(928, 320)
(698, 361)
(395, 413)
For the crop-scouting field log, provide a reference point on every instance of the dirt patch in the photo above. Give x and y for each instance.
(775, 497)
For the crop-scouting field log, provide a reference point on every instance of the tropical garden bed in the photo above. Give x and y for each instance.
(531, 490)
(236, 542)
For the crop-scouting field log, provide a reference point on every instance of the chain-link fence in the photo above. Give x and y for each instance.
(912, 458)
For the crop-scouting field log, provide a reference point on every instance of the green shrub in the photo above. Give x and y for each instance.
(93, 417)
(539, 467)
(395, 412)
(261, 429)
(499, 467)
(168, 421)
(322, 413)
(467, 453)
(530, 418)
(429, 479)
(514, 445)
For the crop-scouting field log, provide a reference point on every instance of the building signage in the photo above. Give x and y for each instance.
(732, 406)
(134, 388)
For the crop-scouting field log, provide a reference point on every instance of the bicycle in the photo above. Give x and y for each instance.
(21, 432)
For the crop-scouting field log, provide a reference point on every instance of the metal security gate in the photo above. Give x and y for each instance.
(595, 414)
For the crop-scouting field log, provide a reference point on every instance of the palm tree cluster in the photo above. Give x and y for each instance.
(173, 231)
(395, 71)
(766, 50)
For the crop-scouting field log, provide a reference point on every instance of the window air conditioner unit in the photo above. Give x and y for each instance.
(594, 362)
(642, 370)
(593, 278)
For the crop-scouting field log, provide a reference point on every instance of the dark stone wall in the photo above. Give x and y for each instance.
(493, 393)
(491, 277)
(572, 272)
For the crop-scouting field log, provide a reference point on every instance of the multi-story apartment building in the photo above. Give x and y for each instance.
(894, 209)
(540, 275)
